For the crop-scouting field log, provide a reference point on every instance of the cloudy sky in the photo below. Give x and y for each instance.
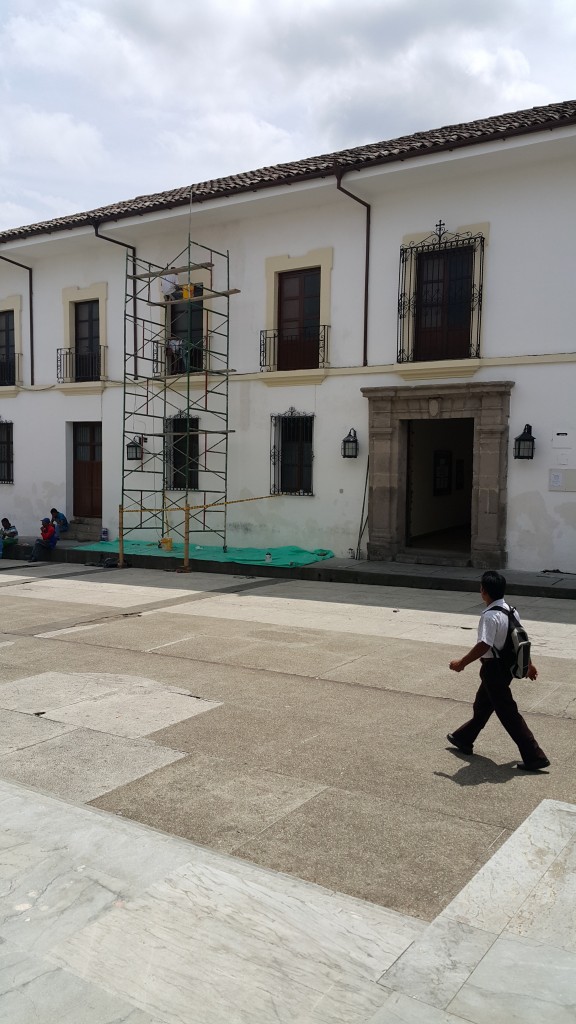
(102, 100)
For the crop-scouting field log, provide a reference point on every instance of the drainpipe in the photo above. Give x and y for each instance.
(116, 241)
(29, 269)
(339, 172)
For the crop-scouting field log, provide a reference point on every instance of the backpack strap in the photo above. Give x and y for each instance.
(512, 613)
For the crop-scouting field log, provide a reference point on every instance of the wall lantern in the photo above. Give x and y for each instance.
(349, 447)
(135, 449)
(524, 444)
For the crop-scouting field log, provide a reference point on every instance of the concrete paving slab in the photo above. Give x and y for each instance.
(391, 862)
(35, 694)
(132, 714)
(19, 572)
(80, 765)
(368, 619)
(97, 593)
(371, 753)
(556, 699)
(267, 655)
(18, 730)
(210, 802)
(19, 612)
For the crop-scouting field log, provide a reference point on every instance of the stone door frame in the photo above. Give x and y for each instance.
(389, 409)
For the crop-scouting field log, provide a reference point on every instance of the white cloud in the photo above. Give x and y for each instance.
(104, 99)
(54, 140)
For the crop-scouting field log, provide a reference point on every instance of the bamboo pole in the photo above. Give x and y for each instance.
(187, 538)
(121, 538)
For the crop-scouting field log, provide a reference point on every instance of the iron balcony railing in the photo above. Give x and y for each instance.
(177, 357)
(10, 370)
(304, 348)
(75, 367)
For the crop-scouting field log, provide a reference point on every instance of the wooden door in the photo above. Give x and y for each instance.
(299, 319)
(87, 470)
(444, 304)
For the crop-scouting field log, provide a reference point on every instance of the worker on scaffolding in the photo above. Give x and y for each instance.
(171, 290)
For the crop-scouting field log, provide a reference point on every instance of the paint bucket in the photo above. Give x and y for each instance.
(104, 533)
(166, 543)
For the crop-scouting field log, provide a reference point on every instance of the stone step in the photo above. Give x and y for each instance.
(416, 557)
(84, 530)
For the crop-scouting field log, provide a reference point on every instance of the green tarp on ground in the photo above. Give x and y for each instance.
(286, 556)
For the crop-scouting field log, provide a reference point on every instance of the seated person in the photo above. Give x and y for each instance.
(45, 542)
(8, 535)
(171, 290)
(59, 521)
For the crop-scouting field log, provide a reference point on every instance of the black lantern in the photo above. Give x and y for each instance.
(524, 444)
(135, 449)
(349, 447)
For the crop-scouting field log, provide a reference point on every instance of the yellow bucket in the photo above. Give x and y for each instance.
(166, 543)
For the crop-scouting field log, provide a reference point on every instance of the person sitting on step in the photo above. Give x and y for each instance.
(59, 521)
(8, 536)
(46, 542)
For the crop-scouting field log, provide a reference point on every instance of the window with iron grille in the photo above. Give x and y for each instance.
(291, 453)
(440, 297)
(7, 351)
(6, 454)
(182, 453)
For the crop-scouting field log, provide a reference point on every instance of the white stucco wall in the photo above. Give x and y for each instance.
(527, 202)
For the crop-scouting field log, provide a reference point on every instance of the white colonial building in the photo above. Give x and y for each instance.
(417, 292)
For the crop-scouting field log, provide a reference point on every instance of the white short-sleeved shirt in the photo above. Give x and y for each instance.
(168, 284)
(493, 626)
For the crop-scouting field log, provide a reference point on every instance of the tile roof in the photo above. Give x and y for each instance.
(521, 122)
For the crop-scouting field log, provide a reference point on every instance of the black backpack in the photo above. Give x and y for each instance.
(515, 653)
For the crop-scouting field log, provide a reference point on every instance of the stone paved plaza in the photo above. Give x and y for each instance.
(231, 800)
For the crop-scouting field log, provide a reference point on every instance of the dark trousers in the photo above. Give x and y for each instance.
(39, 547)
(494, 695)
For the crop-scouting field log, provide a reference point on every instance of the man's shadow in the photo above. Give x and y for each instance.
(477, 770)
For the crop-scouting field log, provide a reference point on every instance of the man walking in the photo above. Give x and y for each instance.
(494, 693)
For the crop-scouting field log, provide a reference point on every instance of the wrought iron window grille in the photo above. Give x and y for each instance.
(6, 452)
(291, 452)
(440, 296)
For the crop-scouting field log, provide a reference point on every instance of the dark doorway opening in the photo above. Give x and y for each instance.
(439, 485)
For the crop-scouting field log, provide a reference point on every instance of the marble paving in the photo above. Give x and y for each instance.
(143, 927)
(503, 951)
(104, 921)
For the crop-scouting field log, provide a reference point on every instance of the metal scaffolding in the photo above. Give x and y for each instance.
(176, 359)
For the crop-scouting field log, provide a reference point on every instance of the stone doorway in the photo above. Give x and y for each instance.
(390, 412)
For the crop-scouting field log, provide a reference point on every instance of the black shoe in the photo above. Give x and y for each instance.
(534, 766)
(464, 748)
